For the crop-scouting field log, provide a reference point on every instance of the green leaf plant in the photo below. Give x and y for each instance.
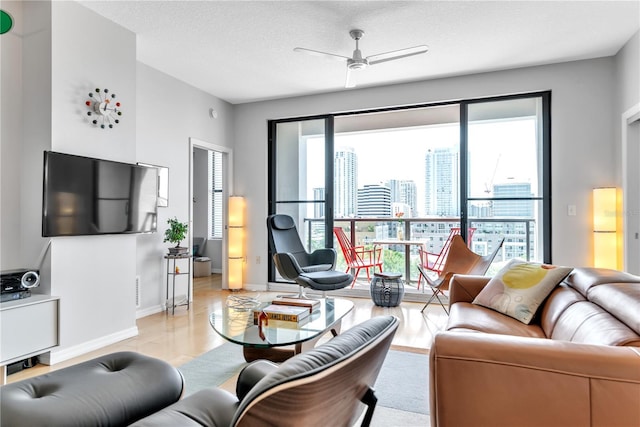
(176, 232)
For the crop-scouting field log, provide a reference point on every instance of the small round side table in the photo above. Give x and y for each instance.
(387, 289)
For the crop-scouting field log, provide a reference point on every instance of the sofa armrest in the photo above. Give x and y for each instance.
(495, 380)
(465, 287)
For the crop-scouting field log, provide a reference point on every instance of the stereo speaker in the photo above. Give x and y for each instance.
(30, 279)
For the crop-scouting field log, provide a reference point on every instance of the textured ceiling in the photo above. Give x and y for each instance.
(242, 51)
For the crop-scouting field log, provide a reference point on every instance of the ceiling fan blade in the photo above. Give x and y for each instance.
(349, 81)
(397, 54)
(318, 53)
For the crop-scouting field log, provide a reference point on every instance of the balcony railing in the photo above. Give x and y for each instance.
(519, 234)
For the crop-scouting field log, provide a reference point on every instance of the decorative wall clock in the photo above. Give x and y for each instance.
(104, 107)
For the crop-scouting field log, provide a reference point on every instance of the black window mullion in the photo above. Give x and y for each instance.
(328, 180)
(463, 167)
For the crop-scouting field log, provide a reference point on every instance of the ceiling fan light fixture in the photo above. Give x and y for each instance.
(354, 64)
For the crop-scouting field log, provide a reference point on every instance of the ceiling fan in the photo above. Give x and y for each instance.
(357, 62)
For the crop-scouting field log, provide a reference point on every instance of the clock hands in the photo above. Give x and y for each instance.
(102, 106)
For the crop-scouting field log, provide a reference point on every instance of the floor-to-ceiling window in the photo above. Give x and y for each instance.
(422, 171)
(298, 178)
(506, 147)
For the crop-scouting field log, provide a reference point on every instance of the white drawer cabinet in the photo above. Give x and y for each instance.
(28, 327)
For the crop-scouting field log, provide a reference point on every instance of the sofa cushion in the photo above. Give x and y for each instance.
(520, 287)
(560, 298)
(584, 279)
(622, 300)
(472, 317)
(112, 390)
(587, 323)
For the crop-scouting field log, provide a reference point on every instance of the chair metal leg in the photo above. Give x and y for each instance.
(300, 295)
(370, 400)
(435, 295)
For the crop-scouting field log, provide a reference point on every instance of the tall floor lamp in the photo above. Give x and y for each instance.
(236, 241)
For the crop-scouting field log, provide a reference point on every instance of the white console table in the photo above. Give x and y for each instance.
(28, 327)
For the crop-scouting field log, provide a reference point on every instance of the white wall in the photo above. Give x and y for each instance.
(50, 62)
(628, 97)
(169, 113)
(627, 89)
(628, 74)
(582, 131)
(93, 275)
(11, 137)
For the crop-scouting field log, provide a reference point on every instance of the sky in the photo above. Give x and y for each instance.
(500, 151)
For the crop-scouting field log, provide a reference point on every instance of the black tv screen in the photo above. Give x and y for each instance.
(86, 196)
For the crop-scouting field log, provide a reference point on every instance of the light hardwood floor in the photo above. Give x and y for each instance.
(181, 337)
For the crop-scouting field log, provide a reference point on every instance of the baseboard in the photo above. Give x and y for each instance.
(216, 271)
(149, 311)
(282, 287)
(254, 287)
(57, 356)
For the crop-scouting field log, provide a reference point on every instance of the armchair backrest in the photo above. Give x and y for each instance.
(462, 260)
(325, 385)
(284, 238)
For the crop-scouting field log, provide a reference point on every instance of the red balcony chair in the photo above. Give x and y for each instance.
(434, 262)
(461, 260)
(358, 257)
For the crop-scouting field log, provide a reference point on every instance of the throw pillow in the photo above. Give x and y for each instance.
(520, 287)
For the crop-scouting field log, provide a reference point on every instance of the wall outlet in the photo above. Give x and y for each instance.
(258, 260)
(571, 210)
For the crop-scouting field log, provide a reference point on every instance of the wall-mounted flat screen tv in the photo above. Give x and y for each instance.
(86, 196)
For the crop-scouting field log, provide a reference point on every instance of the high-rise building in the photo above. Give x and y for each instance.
(318, 208)
(404, 192)
(374, 200)
(441, 182)
(345, 183)
(511, 208)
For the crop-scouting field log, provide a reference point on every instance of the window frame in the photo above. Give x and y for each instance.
(463, 104)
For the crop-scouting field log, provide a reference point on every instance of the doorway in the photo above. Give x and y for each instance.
(210, 185)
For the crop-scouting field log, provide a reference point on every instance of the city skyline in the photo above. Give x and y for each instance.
(502, 152)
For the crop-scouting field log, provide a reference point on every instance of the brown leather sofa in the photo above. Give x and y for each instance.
(576, 364)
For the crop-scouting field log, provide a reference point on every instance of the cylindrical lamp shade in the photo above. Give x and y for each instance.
(605, 247)
(235, 273)
(604, 209)
(236, 240)
(236, 211)
(605, 218)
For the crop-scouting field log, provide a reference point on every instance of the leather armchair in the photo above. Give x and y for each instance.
(324, 386)
(315, 270)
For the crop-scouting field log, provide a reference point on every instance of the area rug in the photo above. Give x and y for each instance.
(402, 384)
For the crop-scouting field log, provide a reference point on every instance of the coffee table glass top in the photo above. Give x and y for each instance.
(236, 325)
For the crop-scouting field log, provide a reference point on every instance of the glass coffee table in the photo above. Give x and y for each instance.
(236, 325)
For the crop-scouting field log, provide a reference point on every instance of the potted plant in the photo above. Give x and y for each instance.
(176, 233)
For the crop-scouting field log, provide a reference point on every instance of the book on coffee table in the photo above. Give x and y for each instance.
(282, 312)
(311, 304)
